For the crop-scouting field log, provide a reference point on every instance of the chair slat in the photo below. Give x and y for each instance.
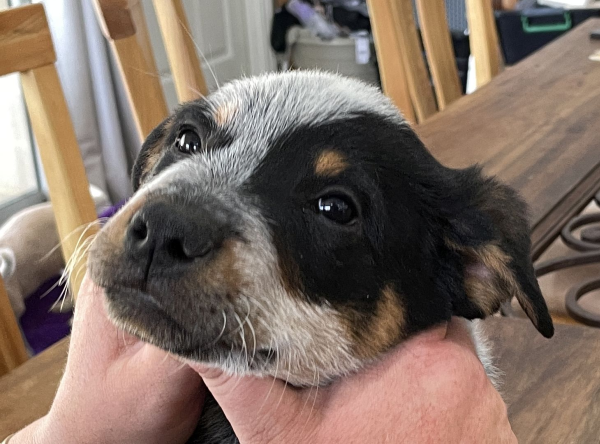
(181, 50)
(391, 65)
(417, 76)
(125, 26)
(483, 38)
(25, 41)
(440, 53)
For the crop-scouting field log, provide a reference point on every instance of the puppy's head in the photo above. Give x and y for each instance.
(294, 225)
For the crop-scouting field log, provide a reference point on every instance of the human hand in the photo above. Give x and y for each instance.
(430, 389)
(117, 389)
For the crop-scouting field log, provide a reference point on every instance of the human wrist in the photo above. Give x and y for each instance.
(45, 430)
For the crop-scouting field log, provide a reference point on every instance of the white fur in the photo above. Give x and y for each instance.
(483, 349)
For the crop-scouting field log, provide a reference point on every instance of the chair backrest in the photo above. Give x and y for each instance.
(397, 43)
(125, 27)
(484, 38)
(26, 47)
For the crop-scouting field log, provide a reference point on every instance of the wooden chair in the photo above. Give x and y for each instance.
(402, 67)
(12, 348)
(26, 47)
(125, 27)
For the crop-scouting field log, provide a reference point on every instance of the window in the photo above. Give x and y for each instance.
(20, 184)
(19, 179)
(19, 176)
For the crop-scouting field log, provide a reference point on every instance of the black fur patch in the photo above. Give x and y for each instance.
(194, 115)
(410, 206)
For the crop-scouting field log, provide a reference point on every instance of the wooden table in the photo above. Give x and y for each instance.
(27, 392)
(552, 386)
(536, 126)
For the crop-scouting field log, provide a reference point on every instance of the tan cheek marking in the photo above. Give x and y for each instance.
(225, 113)
(222, 273)
(330, 163)
(152, 159)
(385, 329)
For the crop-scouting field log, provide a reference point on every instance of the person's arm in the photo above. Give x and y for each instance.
(431, 389)
(116, 389)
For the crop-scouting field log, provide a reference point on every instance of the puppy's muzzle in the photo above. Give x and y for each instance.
(166, 238)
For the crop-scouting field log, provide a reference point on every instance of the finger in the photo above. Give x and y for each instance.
(92, 329)
(89, 310)
(259, 409)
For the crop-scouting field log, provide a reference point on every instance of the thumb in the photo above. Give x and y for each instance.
(260, 410)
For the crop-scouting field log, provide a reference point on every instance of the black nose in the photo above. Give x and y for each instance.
(164, 236)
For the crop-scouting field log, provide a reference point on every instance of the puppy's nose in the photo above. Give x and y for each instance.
(167, 235)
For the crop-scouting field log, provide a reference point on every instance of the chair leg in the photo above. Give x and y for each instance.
(12, 348)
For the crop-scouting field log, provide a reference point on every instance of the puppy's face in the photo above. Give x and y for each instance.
(294, 225)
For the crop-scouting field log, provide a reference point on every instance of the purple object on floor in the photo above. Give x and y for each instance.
(111, 211)
(41, 327)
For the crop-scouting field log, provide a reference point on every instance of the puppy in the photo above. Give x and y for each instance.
(294, 226)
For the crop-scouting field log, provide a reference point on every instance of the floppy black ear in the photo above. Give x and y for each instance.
(490, 236)
(149, 154)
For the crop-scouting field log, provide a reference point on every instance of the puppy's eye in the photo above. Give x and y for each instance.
(188, 142)
(337, 208)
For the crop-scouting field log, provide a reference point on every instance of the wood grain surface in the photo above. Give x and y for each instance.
(483, 40)
(125, 27)
(440, 53)
(551, 386)
(536, 127)
(12, 348)
(68, 186)
(25, 40)
(181, 50)
(27, 392)
(410, 51)
(391, 65)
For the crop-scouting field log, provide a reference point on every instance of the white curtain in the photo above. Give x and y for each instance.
(95, 96)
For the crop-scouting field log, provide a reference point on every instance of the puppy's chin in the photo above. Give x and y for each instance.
(141, 315)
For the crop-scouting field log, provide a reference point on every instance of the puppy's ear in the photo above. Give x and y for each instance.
(150, 154)
(489, 235)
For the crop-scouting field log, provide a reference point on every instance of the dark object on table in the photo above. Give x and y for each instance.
(524, 32)
(282, 22)
(460, 44)
(595, 34)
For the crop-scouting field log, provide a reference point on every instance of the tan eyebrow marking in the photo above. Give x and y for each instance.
(155, 151)
(225, 113)
(330, 163)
